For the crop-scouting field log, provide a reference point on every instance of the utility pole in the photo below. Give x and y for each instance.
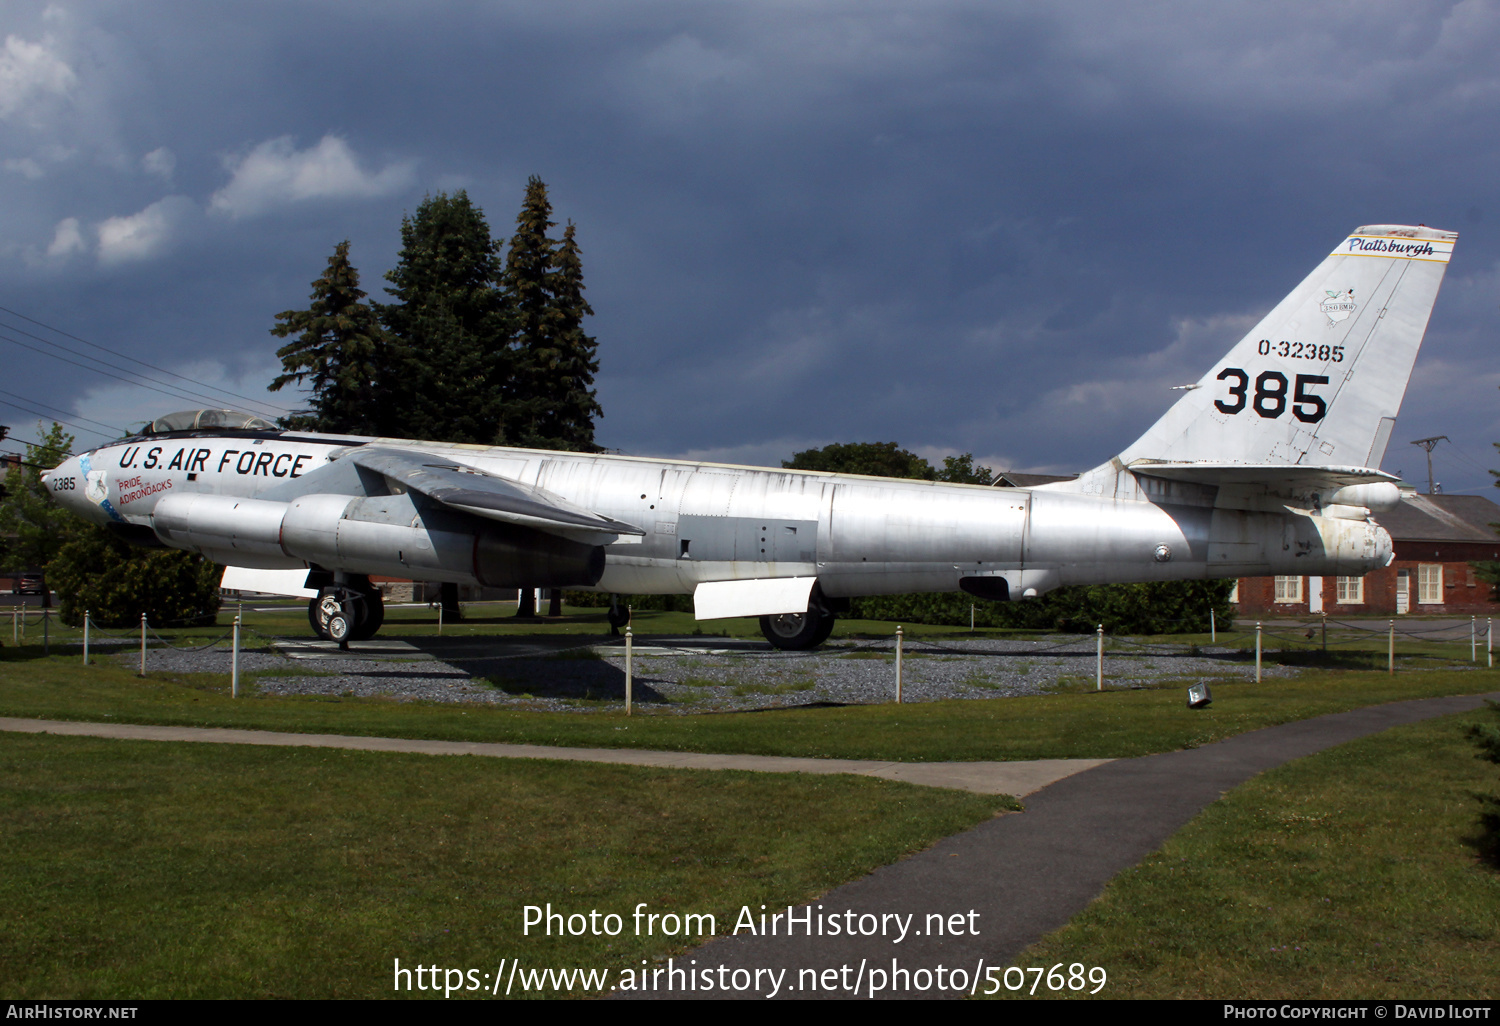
(1429, 444)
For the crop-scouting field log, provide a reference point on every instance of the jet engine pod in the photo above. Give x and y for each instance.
(507, 556)
(225, 529)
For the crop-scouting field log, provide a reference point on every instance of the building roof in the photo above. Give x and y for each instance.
(1451, 518)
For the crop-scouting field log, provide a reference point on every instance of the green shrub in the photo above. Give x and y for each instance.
(117, 582)
(1169, 607)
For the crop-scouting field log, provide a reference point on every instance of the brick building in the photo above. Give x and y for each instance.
(1436, 536)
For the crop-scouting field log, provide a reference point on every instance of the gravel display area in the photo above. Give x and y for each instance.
(701, 674)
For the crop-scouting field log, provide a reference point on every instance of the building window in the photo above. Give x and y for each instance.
(1288, 589)
(1430, 583)
(1351, 590)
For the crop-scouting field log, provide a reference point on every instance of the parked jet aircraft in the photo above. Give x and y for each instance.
(1267, 465)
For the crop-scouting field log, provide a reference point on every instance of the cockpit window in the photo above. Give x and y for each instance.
(196, 420)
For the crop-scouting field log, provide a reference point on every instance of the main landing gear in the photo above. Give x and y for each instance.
(349, 612)
(797, 631)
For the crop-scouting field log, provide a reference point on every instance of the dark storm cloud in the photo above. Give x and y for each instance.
(986, 227)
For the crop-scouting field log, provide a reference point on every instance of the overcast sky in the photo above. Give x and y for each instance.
(989, 227)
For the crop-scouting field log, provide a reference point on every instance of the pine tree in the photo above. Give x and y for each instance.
(341, 347)
(568, 420)
(553, 405)
(452, 326)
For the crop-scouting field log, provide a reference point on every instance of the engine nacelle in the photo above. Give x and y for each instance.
(225, 529)
(386, 534)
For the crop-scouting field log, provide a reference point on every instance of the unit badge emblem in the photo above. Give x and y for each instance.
(1338, 306)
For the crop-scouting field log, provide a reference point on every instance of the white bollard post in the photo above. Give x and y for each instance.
(1257, 651)
(143, 645)
(898, 665)
(234, 662)
(1213, 627)
(1473, 639)
(971, 618)
(1390, 659)
(440, 618)
(85, 637)
(14, 622)
(629, 671)
(1099, 661)
(1489, 644)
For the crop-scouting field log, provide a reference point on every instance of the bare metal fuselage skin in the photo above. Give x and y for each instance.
(704, 522)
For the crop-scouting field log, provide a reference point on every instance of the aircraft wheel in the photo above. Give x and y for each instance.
(321, 609)
(797, 631)
(618, 615)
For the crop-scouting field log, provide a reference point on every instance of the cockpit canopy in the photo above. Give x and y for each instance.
(198, 420)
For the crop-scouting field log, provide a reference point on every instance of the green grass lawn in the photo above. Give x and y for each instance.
(1076, 722)
(1354, 873)
(155, 870)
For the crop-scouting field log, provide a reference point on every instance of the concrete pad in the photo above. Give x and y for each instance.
(1015, 778)
(382, 650)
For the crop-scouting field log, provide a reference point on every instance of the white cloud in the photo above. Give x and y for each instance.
(30, 69)
(68, 239)
(24, 166)
(161, 162)
(145, 234)
(128, 405)
(275, 174)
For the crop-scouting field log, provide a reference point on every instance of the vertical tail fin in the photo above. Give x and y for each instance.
(1320, 379)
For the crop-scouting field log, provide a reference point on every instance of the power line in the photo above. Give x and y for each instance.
(182, 393)
(48, 416)
(123, 356)
(45, 406)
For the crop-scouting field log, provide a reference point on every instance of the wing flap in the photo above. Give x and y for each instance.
(495, 498)
(768, 596)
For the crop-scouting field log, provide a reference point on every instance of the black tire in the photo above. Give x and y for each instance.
(371, 614)
(797, 632)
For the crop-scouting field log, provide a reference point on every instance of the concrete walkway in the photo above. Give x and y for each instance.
(1013, 778)
(1023, 876)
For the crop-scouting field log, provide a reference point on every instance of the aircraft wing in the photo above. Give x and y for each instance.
(495, 498)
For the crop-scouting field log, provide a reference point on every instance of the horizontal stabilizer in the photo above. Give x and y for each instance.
(718, 600)
(1245, 485)
(495, 498)
(1275, 476)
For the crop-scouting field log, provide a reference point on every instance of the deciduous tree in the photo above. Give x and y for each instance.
(33, 527)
